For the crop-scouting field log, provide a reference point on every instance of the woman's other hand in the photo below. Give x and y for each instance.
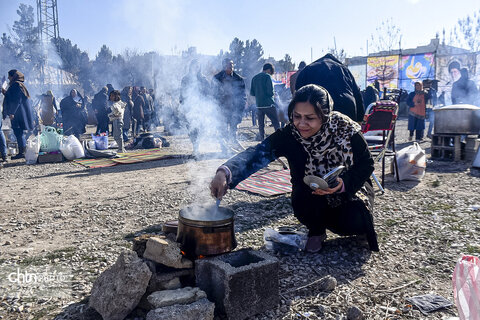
(322, 192)
(218, 186)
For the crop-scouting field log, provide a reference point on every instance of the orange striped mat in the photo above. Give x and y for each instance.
(267, 182)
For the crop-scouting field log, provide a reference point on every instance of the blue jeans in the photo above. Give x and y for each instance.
(3, 143)
(21, 141)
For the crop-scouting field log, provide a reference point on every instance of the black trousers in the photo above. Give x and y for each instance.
(352, 217)
(271, 113)
(102, 124)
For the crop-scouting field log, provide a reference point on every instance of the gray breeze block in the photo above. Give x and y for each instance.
(241, 283)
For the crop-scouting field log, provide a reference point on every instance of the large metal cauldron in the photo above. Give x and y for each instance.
(206, 230)
(457, 119)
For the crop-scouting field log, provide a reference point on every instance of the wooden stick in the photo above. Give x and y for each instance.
(305, 286)
(398, 288)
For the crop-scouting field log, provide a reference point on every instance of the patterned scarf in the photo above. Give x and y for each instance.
(329, 148)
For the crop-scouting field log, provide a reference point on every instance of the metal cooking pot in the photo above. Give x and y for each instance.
(206, 230)
(457, 119)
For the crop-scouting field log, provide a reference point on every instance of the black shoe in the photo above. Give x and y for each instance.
(4, 159)
(18, 156)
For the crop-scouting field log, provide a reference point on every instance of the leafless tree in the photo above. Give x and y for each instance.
(387, 37)
(467, 32)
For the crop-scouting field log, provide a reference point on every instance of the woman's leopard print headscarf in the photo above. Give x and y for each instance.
(330, 147)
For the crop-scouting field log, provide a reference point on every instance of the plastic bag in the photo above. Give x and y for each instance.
(466, 287)
(32, 149)
(71, 148)
(101, 142)
(412, 163)
(50, 139)
(284, 242)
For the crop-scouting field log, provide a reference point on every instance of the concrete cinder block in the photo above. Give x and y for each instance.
(241, 283)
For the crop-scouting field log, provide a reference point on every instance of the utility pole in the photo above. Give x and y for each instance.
(47, 16)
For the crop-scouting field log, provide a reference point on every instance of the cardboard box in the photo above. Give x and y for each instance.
(50, 157)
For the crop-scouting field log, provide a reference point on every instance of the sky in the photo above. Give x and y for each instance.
(304, 29)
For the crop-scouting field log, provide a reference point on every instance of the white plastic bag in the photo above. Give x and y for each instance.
(466, 287)
(411, 162)
(285, 242)
(71, 148)
(32, 149)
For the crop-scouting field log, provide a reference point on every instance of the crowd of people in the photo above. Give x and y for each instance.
(123, 114)
(317, 130)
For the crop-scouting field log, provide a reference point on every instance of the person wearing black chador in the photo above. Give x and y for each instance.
(17, 107)
(331, 74)
(74, 114)
(316, 141)
(100, 106)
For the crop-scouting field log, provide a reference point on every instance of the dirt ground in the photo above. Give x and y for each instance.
(67, 216)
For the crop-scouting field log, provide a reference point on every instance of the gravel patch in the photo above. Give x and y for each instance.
(68, 217)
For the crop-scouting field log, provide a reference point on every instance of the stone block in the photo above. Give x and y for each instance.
(165, 278)
(199, 310)
(166, 298)
(118, 290)
(241, 283)
(167, 252)
(140, 243)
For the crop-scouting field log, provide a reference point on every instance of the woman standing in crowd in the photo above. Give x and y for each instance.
(417, 103)
(316, 141)
(116, 116)
(17, 106)
(137, 112)
(127, 116)
(74, 114)
(48, 109)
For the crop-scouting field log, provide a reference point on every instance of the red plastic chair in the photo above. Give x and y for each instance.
(381, 116)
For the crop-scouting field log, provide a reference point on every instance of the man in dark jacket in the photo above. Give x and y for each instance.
(100, 106)
(17, 106)
(331, 74)
(230, 93)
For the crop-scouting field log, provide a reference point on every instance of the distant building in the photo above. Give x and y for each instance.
(401, 68)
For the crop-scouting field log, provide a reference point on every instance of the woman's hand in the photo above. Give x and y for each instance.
(322, 192)
(218, 186)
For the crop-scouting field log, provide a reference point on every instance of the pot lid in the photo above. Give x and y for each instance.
(207, 213)
(458, 107)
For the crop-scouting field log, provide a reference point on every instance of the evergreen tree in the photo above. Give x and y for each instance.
(237, 50)
(103, 66)
(252, 60)
(285, 65)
